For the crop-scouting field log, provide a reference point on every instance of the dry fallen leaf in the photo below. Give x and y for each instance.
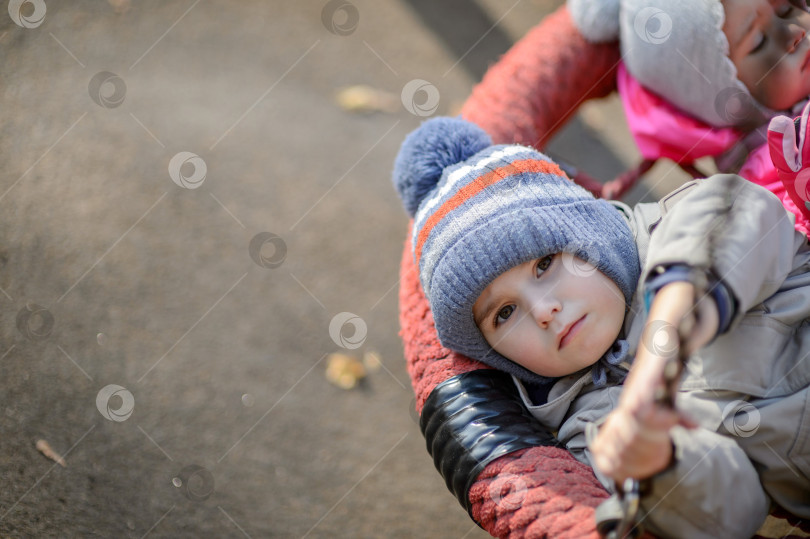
(46, 449)
(344, 371)
(362, 98)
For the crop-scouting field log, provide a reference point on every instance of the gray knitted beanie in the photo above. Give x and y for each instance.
(479, 210)
(677, 49)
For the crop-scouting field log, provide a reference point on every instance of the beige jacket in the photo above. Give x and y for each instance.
(748, 389)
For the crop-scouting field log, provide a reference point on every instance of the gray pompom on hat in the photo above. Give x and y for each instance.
(677, 49)
(479, 210)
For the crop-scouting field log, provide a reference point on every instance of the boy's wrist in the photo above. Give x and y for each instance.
(625, 446)
(662, 276)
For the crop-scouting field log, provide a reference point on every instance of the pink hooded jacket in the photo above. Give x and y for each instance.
(661, 130)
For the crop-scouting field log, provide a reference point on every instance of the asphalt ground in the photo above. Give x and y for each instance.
(190, 223)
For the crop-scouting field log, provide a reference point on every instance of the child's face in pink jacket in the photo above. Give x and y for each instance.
(768, 44)
(554, 315)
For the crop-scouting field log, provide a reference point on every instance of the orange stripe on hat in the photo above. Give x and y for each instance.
(478, 185)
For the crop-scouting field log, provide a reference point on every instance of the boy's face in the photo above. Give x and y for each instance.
(554, 315)
(768, 44)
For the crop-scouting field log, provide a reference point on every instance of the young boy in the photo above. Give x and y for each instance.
(528, 273)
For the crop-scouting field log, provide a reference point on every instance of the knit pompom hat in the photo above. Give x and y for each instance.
(677, 49)
(479, 210)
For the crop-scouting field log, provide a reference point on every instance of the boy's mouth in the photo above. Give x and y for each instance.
(569, 332)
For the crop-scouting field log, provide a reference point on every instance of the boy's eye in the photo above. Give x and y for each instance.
(503, 314)
(543, 264)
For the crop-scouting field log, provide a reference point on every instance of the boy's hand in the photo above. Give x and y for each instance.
(790, 153)
(635, 445)
(634, 441)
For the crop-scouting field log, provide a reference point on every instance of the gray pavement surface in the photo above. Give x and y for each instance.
(185, 211)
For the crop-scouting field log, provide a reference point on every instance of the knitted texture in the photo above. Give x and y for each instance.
(535, 88)
(494, 210)
(561, 494)
(525, 97)
(537, 493)
(429, 150)
(428, 362)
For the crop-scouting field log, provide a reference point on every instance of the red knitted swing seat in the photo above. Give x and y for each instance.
(524, 98)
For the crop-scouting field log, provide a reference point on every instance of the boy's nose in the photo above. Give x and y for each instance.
(544, 310)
